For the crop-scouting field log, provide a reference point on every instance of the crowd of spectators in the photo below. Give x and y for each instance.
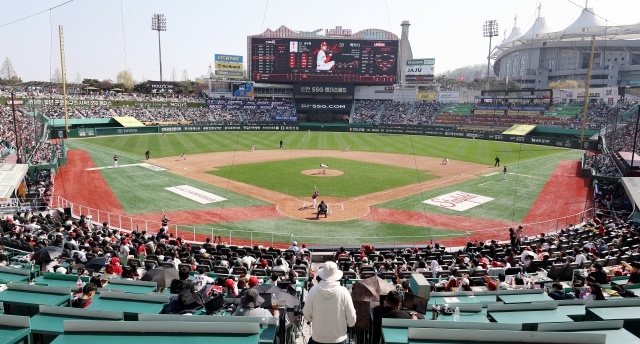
(599, 116)
(424, 112)
(366, 111)
(38, 93)
(29, 132)
(394, 112)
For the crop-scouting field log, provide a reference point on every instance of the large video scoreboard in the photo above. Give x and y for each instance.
(324, 60)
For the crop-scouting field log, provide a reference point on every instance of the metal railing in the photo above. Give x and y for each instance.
(246, 237)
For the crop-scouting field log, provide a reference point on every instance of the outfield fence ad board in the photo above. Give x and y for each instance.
(429, 131)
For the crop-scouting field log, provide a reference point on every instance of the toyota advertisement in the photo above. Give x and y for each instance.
(331, 60)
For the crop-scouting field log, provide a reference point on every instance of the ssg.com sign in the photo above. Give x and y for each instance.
(323, 106)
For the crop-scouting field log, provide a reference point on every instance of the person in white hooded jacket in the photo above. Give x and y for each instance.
(329, 308)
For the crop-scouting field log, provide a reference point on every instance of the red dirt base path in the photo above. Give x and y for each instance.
(564, 194)
(87, 188)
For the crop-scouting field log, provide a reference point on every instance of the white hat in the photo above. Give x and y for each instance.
(202, 250)
(295, 243)
(330, 272)
(465, 281)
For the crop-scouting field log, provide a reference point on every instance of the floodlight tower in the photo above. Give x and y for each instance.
(159, 23)
(490, 29)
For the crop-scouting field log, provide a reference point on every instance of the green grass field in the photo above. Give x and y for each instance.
(512, 198)
(359, 178)
(141, 190)
(477, 151)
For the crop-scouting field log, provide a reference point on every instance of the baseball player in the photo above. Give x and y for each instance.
(323, 62)
(115, 161)
(445, 161)
(504, 173)
(347, 147)
(324, 169)
(313, 198)
(253, 148)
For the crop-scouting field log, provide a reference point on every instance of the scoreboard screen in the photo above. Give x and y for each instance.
(324, 60)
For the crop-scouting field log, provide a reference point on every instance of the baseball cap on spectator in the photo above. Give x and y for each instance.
(502, 260)
(415, 249)
(229, 283)
(238, 262)
(295, 243)
(304, 245)
(264, 262)
(125, 241)
(114, 260)
(202, 251)
(494, 264)
(253, 281)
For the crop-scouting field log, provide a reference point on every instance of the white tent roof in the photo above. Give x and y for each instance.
(586, 20)
(540, 27)
(515, 33)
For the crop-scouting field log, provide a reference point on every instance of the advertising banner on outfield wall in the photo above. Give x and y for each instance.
(426, 96)
(448, 96)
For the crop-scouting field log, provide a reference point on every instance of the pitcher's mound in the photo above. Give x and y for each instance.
(318, 173)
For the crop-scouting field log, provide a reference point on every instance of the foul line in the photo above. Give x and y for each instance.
(142, 164)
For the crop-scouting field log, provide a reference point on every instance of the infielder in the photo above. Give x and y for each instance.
(253, 148)
(445, 161)
(324, 169)
(313, 198)
(347, 148)
(115, 161)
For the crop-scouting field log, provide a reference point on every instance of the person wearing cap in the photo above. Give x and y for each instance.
(231, 286)
(250, 305)
(200, 279)
(634, 277)
(253, 281)
(294, 247)
(123, 252)
(323, 61)
(329, 307)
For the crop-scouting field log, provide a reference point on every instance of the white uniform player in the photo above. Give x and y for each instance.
(347, 148)
(323, 62)
(115, 161)
(253, 148)
(324, 168)
(313, 198)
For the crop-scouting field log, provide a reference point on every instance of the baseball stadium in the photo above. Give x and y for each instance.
(327, 172)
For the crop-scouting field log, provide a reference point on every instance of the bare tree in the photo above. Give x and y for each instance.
(174, 75)
(57, 76)
(6, 71)
(185, 75)
(126, 79)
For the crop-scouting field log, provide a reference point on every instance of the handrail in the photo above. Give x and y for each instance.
(128, 223)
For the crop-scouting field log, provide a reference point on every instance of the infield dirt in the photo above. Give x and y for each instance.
(196, 167)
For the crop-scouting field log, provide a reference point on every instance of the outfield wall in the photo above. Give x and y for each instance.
(529, 139)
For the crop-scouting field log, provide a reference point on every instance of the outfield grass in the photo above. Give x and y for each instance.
(353, 232)
(512, 198)
(477, 151)
(140, 190)
(359, 178)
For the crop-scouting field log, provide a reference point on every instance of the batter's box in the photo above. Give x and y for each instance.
(458, 200)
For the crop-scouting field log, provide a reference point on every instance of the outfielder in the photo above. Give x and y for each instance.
(347, 148)
(313, 198)
(504, 173)
(324, 169)
(115, 161)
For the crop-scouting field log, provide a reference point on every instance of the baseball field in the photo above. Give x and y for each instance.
(385, 189)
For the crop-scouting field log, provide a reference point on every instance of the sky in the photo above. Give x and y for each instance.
(104, 37)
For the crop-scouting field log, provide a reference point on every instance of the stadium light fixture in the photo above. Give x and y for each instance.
(159, 23)
(489, 29)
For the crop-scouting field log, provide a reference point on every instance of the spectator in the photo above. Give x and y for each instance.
(88, 291)
(634, 277)
(328, 297)
(294, 247)
(391, 309)
(250, 305)
(502, 284)
(183, 283)
(599, 275)
(201, 279)
(557, 293)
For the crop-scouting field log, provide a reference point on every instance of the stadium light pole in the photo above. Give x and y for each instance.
(490, 29)
(159, 23)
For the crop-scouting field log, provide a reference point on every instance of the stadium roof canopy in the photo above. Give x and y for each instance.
(368, 34)
(587, 24)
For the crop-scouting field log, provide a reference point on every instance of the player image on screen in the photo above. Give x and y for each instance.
(324, 57)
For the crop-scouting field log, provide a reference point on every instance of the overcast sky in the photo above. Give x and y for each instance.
(104, 37)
